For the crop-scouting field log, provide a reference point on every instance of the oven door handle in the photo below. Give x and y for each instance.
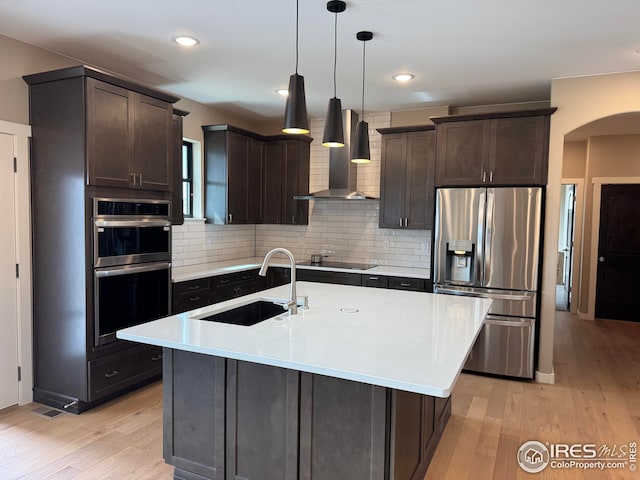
(129, 269)
(133, 223)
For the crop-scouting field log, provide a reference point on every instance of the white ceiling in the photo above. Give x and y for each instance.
(462, 52)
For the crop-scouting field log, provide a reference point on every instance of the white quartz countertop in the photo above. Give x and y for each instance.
(193, 272)
(411, 341)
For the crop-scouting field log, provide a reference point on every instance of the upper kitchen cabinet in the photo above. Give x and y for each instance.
(177, 213)
(509, 148)
(126, 127)
(407, 177)
(233, 175)
(285, 174)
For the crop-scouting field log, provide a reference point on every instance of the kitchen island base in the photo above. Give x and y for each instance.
(231, 419)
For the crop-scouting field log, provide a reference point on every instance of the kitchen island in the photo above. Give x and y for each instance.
(356, 386)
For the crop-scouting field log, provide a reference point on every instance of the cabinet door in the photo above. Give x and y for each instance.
(393, 179)
(518, 154)
(342, 429)
(262, 422)
(152, 144)
(420, 168)
(238, 151)
(194, 424)
(272, 183)
(296, 168)
(177, 216)
(254, 184)
(462, 152)
(109, 134)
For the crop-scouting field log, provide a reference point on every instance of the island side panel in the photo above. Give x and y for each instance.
(262, 422)
(343, 429)
(194, 413)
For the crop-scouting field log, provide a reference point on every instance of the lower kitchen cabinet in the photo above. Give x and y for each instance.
(191, 294)
(233, 285)
(230, 419)
(113, 373)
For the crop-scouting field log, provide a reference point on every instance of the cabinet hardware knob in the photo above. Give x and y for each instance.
(194, 287)
(111, 374)
(194, 299)
(231, 218)
(133, 178)
(374, 278)
(293, 219)
(405, 284)
(484, 177)
(491, 176)
(139, 179)
(401, 222)
(156, 358)
(601, 259)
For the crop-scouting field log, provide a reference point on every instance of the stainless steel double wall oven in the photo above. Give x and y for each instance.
(131, 263)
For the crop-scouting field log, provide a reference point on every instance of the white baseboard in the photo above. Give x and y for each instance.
(549, 378)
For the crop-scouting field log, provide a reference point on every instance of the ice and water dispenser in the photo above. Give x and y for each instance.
(460, 267)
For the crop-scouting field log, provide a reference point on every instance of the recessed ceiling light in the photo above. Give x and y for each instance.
(403, 77)
(186, 40)
(282, 92)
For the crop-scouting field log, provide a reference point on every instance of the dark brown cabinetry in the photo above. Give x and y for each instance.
(226, 418)
(86, 126)
(128, 138)
(233, 166)
(407, 177)
(177, 214)
(493, 149)
(250, 178)
(285, 174)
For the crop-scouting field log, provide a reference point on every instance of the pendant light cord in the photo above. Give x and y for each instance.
(297, 21)
(364, 46)
(335, 53)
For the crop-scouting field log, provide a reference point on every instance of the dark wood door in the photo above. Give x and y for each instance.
(110, 134)
(420, 167)
(462, 152)
(272, 183)
(254, 185)
(238, 152)
(152, 141)
(618, 282)
(294, 168)
(177, 215)
(518, 151)
(393, 178)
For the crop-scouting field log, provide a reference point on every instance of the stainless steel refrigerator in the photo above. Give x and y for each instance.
(487, 244)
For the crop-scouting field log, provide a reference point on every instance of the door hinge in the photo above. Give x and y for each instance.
(15, 165)
(17, 270)
(19, 374)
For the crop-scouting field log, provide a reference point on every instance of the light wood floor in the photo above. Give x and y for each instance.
(596, 399)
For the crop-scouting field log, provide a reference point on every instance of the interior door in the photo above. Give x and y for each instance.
(8, 290)
(618, 282)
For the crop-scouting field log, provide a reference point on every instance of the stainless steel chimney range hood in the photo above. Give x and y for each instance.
(343, 174)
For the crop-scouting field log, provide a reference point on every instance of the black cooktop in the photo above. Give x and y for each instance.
(345, 265)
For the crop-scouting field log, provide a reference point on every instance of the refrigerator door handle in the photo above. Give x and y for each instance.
(479, 268)
(497, 296)
(488, 243)
(519, 323)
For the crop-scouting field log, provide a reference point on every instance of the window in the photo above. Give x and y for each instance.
(187, 179)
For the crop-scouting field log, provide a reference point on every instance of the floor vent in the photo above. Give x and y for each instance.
(47, 412)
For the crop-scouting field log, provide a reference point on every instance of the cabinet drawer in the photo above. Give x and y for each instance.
(231, 278)
(188, 301)
(233, 291)
(403, 283)
(191, 286)
(378, 281)
(120, 370)
(323, 276)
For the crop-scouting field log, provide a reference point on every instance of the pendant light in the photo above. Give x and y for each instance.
(360, 152)
(333, 129)
(295, 113)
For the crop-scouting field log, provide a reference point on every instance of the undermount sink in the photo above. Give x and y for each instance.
(247, 315)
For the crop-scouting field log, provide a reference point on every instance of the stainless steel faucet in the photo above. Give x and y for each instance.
(292, 306)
